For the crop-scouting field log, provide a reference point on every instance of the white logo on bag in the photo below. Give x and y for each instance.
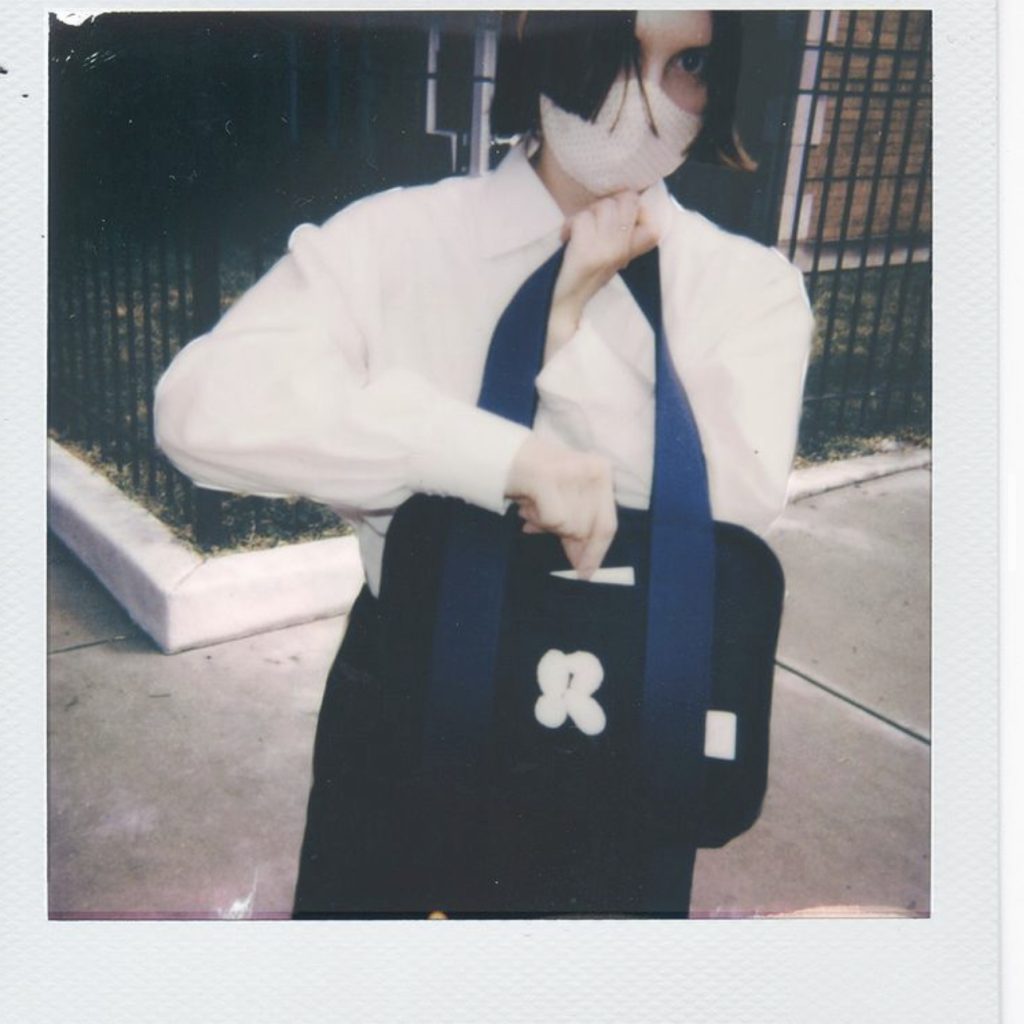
(567, 684)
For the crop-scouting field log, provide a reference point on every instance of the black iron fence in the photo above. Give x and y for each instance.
(856, 217)
(184, 148)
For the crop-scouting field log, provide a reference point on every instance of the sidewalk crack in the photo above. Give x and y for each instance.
(87, 643)
(905, 729)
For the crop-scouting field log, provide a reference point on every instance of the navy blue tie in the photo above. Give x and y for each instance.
(677, 676)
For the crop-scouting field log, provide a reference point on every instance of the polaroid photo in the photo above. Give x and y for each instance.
(531, 470)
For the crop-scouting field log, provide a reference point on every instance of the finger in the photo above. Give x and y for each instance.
(575, 543)
(645, 234)
(627, 210)
(607, 215)
(605, 526)
(583, 223)
(573, 550)
(550, 512)
(592, 551)
(533, 528)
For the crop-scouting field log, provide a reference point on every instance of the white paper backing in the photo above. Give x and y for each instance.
(943, 969)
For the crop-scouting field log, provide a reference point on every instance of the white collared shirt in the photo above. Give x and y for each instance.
(348, 374)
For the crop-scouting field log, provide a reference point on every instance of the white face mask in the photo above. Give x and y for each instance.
(619, 150)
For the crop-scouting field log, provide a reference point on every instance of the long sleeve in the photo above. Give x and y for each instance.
(751, 388)
(286, 395)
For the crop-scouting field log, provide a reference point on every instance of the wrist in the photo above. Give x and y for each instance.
(563, 322)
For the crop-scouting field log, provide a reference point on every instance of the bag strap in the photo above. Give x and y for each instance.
(677, 677)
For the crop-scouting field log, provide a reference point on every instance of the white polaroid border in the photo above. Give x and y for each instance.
(1011, 534)
(940, 969)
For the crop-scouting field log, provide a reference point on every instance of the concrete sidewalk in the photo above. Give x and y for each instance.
(177, 785)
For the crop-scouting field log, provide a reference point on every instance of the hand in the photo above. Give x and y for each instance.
(602, 239)
(569, 494)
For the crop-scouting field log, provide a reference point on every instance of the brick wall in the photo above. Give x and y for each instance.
(870, 100)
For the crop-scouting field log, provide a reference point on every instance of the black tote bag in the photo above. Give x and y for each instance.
(470, 607)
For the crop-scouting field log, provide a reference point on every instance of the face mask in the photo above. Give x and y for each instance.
(619, 150)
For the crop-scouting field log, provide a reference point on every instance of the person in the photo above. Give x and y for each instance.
(349, 374)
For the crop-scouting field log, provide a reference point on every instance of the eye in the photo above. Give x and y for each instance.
(693, 61)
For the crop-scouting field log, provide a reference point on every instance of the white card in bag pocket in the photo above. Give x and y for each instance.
(621, 576)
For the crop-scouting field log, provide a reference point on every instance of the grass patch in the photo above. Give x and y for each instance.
(248, 523)
(846, 446)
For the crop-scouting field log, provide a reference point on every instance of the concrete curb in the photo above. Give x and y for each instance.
(183, 600)
(828, 476)
(176, 596)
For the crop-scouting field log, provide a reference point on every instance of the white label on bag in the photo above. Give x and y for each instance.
(622, 576)
(720, 735)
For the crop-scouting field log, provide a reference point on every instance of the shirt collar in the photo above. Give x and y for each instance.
(517, 210)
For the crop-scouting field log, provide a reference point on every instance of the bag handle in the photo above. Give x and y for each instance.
(677, 676)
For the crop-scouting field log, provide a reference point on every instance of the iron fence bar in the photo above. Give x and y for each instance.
(334, 90)
(901, 177)
(184, 335)
(292, 40)
(115, 353)
(59, 335)
(844, 226)
(97, 309)
(165, 313)
(859, 177)
(94, 334)
(70, 356)
(869, 219)
(80, 342)
(834, 86)
(206, 265)
(923, 316)
(830, 163)
(812, 115)
(873, 93)
(830, 159)
(905, 276)
(885, 51)
(147, 362)
(133, 375)
(184, 331)
(165, 338)
(365, 98)
(71, 350)
(205, 262)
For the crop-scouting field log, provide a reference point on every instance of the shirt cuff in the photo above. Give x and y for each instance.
(467, 454)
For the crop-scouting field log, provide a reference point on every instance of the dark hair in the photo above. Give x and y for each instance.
(573, 57)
